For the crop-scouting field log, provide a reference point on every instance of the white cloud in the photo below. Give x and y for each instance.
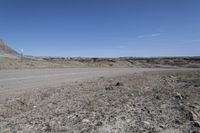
(155, 34)
(140, 36)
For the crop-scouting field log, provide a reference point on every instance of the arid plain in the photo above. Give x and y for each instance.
(111, 95)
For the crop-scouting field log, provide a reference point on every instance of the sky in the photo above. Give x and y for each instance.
(102, 28)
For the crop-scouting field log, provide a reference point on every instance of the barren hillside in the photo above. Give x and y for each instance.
(6, 50)
(9, 60)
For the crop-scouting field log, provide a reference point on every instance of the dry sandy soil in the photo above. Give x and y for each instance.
(153, 101)
(13, 82)
(15, 62)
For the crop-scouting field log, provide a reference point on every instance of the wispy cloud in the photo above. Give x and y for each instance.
(140, 36)
(155, 34)
(149, 35)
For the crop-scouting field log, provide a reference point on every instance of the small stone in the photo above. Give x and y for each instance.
(128, 120)
(163, 106)
(196, 124)
(191, 116)
(162, 126)
(192, 106)
(109, 88)
(119, 84)
(157, 97)
(146, 122)
(53, 123)
(72, 116)
(116, 130)
(123, 118)
(178, 122)
(179, 96)
(46, 128)
(196, 131)
(99, 123)
(85, 121)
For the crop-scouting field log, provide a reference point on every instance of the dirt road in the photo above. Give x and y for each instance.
(14, 82)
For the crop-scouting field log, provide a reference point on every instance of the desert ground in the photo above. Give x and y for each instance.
(18, 81)
(99, 66)
(98, 95)
(100, 100)
(30, 62)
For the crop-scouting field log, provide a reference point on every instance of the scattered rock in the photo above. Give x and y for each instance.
(162, 126)
(146, 88)
(196, 131)
(157, 97)
(72, 116)
(191, 116)
(193, 106)
(146, 122)
(128, 120)
(85, 121)
(123, 118)
(196, 124)
(46, 128)
(53, 123)
(115, 130)
(196, 85)
(109, 88)
(163, 106)
(99, 123)
(178, 96)
(87, 108)
(63, 129)
(178, 122)
(119, 84)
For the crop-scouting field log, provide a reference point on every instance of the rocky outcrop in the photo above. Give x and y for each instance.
(5, 49)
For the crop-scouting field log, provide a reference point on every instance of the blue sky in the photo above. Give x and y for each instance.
(102, 28)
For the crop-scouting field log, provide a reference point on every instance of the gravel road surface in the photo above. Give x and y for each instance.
(14, 82)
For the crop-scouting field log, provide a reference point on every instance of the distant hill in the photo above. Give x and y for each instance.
(6, 50)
